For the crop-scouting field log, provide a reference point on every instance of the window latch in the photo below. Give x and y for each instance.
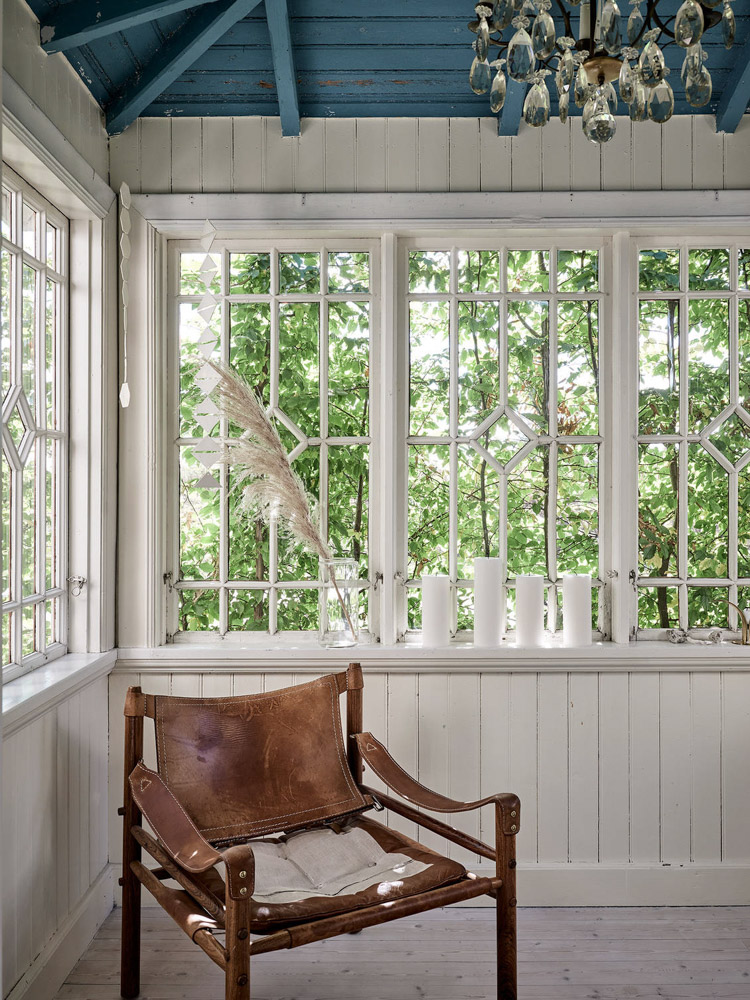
(77, 583)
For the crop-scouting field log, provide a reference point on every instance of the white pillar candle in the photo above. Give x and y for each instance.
(436, 611)
(529, 610)
(488, 602)
(577, 610)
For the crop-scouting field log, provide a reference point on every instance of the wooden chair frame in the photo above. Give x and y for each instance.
(197, 913)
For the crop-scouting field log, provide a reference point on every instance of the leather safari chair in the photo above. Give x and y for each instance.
(259, 813)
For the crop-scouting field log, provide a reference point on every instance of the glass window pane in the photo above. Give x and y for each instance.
(7, 218)
(659, 399)
(658, 476)
(28, 336)
(7, 552)
(707, 607)
(199, 521)
(578, 368)
(51, 340)
(708, 515)
(708, 269)
(348, 503)
(529, 490)
(250, 347)
(658, 607)
(199, 611)
(578, 509)
(52, 622)
(50, 490)
(52, 236)
(7, 639)
(299, 272)
(348, 369)
(6, 319)
(478, 511)
(250, 273)
(659, 270)
(528, 270)
(478, 360)
(744, 352)
(295, 562)
(743, 522)
(28, 530)
(30, 224)
(197, 343)
(298, 610)
(429, 506)
(29, 642)
(479, 270)
(744, 269)
(299, 365)
(199, 273)
(248, 536)
(429, 367)
(577, 270)
(348, 271)
(528, 361)
(708, 350)
(429, 271)
(247, 611)
(732, 438)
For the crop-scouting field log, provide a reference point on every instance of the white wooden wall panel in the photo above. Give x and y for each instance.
(428, 154)
(617, 772)
(54, 821)
(53, 85)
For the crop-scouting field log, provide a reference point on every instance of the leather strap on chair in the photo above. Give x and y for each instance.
(240, 863)
(381, 763)
(176, 831)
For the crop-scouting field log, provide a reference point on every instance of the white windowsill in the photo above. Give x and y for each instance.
(308, 656)
(33, 693)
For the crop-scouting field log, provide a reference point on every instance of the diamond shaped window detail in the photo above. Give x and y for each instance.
(16, 428)
(732, 438)
(503, 439)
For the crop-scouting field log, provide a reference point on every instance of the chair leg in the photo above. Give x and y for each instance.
(238, 950)
(130, 969)
(505, 910)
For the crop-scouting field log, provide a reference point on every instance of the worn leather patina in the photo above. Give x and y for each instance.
(257, 764)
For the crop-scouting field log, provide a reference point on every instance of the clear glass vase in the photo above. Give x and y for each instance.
(339, 602)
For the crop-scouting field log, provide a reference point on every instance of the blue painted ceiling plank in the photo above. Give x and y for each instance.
(77, 24)
(178, 55)
(277, 15)
(735, 94)
(510, 118)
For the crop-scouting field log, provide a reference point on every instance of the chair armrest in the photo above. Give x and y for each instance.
(377, 758)
(175, 830)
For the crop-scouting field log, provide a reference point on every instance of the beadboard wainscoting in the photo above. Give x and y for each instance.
(56, 881)
(191, 155)
(634, 783)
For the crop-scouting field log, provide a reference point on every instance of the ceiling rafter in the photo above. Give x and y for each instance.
(277, 16)
(77, 24)
(735, 95)
(510, 119)
(181, 51)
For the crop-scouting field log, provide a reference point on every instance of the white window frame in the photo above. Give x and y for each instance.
(274, 247)
(22, 192)
(681, 581)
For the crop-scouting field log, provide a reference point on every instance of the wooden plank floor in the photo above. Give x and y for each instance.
(671, 953)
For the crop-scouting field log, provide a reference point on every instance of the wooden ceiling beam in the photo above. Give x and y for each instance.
(735, 95)
(181, 51)
(510, 118)
(277, 16)
(76, 24)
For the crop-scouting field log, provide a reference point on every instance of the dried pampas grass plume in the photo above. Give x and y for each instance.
(271, 488)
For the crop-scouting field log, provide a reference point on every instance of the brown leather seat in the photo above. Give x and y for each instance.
(257, 813)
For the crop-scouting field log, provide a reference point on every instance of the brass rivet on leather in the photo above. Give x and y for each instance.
(513, 828)
(243, 891)
(242, 981)
(243, 874)
(242, 933)
(513, 813)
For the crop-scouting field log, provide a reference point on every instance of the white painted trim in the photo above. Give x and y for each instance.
(48, 972)
(627, 885)
(37, 691)
(178, 216)
(643, 656)
(57, 169)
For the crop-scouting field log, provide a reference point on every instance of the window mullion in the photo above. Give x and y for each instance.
(453, 421)
(682, 491)
(553, 446)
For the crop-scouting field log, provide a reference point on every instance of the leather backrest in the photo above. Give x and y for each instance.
(257, 764)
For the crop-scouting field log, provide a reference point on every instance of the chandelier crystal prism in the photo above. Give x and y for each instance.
(610, 47)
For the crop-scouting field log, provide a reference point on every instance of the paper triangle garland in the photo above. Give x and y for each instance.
(207, 482)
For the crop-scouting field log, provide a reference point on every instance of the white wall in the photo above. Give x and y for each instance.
(55, 876)
(428, 154)
(634, 785)
(53, 84)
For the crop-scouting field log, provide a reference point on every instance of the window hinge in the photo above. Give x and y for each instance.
(168, 582)
(400, 578)
(77, 583)
(377, 581)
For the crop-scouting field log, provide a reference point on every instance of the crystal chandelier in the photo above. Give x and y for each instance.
(585, 69)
